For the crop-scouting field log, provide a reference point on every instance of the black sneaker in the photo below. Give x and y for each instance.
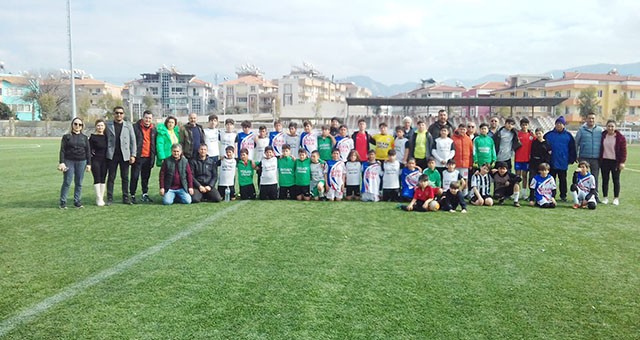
(109, 201)
(146, 198)
(63, 205)
(501, 201)
(516, 204)
(125, 200)
(78, 205)
(133, 200)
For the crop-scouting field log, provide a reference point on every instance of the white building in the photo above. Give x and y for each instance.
(249, 93)
(173, 93)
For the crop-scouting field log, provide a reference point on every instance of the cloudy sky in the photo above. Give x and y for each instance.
(390, 41)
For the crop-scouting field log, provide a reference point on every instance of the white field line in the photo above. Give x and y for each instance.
(18, 146)
(632, 170)
(69, 292)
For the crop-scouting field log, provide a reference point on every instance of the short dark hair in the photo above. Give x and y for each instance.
(229, 121)
(287, 147)
(293, 125)
(510, 120)
(213, 117)
(147, 112)
(245, 124)
(175, 120)
(391, 152)
(524, 120)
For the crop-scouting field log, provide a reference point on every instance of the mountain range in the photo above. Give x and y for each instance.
(382, 90)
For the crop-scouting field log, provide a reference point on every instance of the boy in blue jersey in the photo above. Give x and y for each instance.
(409, 179)
(543, 188)
(246, 139)
(584, 187)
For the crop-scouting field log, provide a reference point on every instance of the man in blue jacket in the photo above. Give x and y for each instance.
(563, 153)
(588, 141)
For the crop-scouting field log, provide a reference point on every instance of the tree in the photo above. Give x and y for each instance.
(148, 102)
(51, 94)
(83, 103)
(588, 102)
(621, 108)
(107, 103)
(5, 111)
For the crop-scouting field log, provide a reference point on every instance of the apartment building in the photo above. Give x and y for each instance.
(173, 93)
(248, 93)
(12, 91)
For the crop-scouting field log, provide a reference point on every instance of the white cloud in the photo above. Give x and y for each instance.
(390, 41)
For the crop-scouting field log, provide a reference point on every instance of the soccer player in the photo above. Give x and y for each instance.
(401, 144)
(246, 139)
(371, 174)
(543, 188)
(443, 149)
(276, 139)
(336, 177)
(228, 136)
(246, 172)
(308, 140)
(227, 178)
(292, 138)
(481, 187)
(325, 143)
(452, 175)
(318, 171)
(584, 188)
(523, 153)
(505, 184)
(423, 195)
(354, 176)
(286, 174)
(383, 142)
(344, 143)
(391, 178)
(409, 178)
(302, 169)
(451, 198)
(484, 151)
(269, 175)
(432, 173)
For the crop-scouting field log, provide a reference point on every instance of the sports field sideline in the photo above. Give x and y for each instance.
(289, 270)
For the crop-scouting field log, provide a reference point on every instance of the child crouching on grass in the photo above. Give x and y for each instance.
(451, 198)
(543, 188)
(584, 188)
(423, 196)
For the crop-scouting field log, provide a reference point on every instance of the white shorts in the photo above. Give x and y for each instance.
(464, 172)
(369, 197)
(334, 194)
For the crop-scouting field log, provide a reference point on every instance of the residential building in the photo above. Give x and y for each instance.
(483, 90)
(525, 86)
(13, 88)
(432, 89)
(610, 87)
(354, 91)
(249, 93)
(173, 93)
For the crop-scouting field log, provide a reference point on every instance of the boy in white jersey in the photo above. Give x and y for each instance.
(228, 136)
(308, 140)
(269, 175)
(212, 138)
(318, 176)
(227, 174)
(371, 174)
(336, 176)
(400, 145)
(262, 141)
(391, 178)
(481, 187)
(543, 188)
(452, 175)
(344, 143)
(584, 188)
(354, 176)
(292, 138)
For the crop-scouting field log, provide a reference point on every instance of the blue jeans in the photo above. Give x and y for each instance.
(170, 196)
(75, 171)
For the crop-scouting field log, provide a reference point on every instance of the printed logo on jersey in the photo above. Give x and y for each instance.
(336, 174)
(345, 145)
(371, 177)
(248, 142)
(412, 179)
(277, 143)
(310, 143)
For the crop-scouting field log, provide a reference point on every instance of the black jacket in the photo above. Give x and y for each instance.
(137, 130)
(205, 172)
(75, 147)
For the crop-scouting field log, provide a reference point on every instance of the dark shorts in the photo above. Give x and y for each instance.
(302, 190)
(474, 198)
(522, 166)
(390, 195)
(269, 192)
(352, 190)
(248, 192)
(287, 193)
(221, 189)
(503, 192)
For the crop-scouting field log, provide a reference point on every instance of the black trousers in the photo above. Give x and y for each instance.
(142, 166)
(124, 176)
(99, 170)
(609, 167)
(562, 181)
(211, 196)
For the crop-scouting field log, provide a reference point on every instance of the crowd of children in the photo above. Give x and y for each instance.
(334, 166)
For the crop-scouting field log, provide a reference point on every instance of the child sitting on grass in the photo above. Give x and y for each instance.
(543, 188)
(584, 187)
(422, 197)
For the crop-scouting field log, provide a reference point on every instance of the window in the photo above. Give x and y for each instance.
(525, 94)
(446, 95)
(632, 110)
(544, 93)
(253, 88)
(287, 99)
(632, 94)
(194, 92)
(557, 94)
(599, 93)
(154, 91)
(230, 90)
(615, 91)
(568, 93)
(287, 88)
(242, 100)
(196, 105)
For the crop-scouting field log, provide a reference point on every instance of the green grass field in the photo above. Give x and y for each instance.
(314, 270)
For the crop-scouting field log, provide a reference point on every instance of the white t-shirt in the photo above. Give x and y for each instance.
(444, 151)
(227, 173)
(294, 143)
(450, 177)
(212, 138)
(354, 173)
(227, 139)
(345, 145)
(269, 171)
(391, 176)
(261, 143)
(400, 145)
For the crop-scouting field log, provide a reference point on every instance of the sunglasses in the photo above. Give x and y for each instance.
(78, 124)
(119, 113)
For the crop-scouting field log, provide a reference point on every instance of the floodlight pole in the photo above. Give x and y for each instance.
(73, 83)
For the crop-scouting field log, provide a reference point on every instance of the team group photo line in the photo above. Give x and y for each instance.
(423, 168)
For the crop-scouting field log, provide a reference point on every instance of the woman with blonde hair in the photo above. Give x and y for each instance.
(98, 143)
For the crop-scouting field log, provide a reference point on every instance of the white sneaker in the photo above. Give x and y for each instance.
(616, 201)
(605, 201)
